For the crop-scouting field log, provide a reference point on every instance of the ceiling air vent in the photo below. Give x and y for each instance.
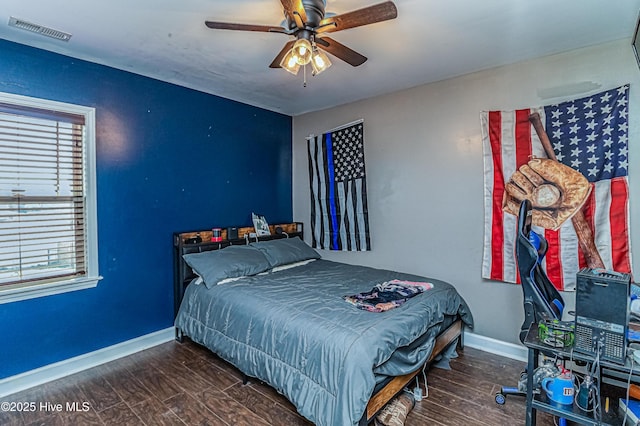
(39, 29)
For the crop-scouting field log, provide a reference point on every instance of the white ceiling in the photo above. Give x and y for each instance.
(429, 41)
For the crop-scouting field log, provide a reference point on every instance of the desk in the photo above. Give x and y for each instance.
(574, 413)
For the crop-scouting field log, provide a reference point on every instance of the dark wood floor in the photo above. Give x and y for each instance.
(178, 384)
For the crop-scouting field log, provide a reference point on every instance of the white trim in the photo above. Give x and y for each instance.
(91, 197)
(30, 291)
(70, 366)
(73, 365)
(494, 346)
(8, 295)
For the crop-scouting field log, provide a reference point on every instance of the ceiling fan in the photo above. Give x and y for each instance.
(306, 21)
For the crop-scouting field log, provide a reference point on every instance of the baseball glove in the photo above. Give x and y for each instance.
(556, 191)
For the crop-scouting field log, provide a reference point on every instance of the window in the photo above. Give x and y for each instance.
(48, 229)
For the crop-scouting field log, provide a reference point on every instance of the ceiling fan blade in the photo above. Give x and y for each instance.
(244, 27)
(295, 11)
(287, 47)
(368, 15)
(341, 51)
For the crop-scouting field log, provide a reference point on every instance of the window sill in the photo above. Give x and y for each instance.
(41, 290)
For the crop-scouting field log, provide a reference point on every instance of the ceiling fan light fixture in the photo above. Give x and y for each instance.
(305, 20)
(319, 62)
(302, 50)
(290, 63)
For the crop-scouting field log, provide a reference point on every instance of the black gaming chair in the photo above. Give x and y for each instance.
(541, 299)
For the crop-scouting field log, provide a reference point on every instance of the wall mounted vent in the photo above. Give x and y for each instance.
(38, 29)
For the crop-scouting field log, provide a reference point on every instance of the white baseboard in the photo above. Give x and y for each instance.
(70, 366)
(494, 346)
(73, 365)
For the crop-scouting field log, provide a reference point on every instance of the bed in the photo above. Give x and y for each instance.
(289, 326)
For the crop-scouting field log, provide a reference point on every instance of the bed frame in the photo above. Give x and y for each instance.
(183, 275)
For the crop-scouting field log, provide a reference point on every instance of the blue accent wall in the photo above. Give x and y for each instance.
(168, 159)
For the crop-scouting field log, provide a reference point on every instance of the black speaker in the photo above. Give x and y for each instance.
(193, 240)
(232, 233)
(602, 313)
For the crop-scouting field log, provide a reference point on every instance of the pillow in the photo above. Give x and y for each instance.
(230, 262)
(286, 250)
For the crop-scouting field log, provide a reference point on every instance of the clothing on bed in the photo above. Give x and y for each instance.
(388, 295)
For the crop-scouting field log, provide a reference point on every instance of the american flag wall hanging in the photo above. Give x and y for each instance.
(339, 213)
(590, 136)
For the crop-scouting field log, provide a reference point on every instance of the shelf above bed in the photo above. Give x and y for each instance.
(183, 273)
(292, 229)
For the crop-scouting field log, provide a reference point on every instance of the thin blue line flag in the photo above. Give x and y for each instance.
(339, 214)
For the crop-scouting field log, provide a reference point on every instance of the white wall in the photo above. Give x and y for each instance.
(423, 155)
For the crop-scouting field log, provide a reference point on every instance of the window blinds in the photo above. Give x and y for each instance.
(42, 195)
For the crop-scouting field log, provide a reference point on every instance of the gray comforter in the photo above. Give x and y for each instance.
(293, 330)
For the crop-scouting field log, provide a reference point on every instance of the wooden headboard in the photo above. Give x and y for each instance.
(183, 274)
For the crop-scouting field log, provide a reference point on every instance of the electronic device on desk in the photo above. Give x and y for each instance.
(602, 314)
(556, 333)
